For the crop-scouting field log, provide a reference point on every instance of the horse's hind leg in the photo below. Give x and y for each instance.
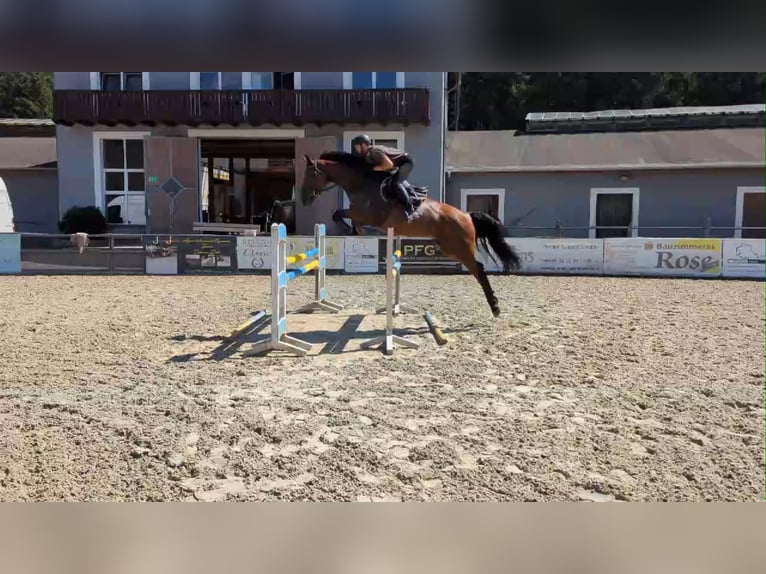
(466, 254)
(481, 277)
(339, 215)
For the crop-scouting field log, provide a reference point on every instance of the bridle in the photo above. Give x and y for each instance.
(317, 192)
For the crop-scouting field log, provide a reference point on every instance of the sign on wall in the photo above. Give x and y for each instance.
(254, 253)
(10, 253)
(418, 255)
(333, 245)
(540, 255)
(361, 254)
(576, 256)
(207, 254)
(161, 254)
(744, 258)
(663, 256)
(615, 256)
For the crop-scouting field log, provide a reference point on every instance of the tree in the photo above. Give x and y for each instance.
(501, 100)
(26, 94)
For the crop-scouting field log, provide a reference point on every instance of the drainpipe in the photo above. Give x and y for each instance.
(445, 127)
(445, 118)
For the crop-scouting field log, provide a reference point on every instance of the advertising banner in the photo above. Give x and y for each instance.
(554, 256)
(662, 256)
(361, 254)
(10, 253)
(419, 255)
(744, 258)
(161, 254)
(254, 253)
(334, 246)
(207, 254)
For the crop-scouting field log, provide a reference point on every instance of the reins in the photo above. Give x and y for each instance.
(316, 193)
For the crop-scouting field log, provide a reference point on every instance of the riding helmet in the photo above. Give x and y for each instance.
(361, 139)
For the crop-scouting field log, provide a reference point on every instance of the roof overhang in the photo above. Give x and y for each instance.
(608, 167)
(25, 168)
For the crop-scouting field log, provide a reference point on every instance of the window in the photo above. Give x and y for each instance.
(122, 81)
(750, 213)
(490, 201)
(258, 80)
(388, 139)
(210, 80)
(385, 80)
(271, 80)
(122, 179)
(613, 212)
(215, 81)
(206, 81)
(284, 80)
(362, 80)
(393, 143)
(372, 80)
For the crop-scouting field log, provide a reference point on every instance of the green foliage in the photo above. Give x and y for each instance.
(88, 220)
(501, 100)
(26, 94)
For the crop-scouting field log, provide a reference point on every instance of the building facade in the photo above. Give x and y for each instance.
(647, 173)
(159, 151)
(28, 170)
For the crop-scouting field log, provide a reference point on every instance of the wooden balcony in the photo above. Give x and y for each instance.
(251, 108)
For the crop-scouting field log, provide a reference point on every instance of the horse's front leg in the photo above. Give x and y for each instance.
(339, 215)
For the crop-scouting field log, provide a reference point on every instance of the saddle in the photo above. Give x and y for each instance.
(416, 194)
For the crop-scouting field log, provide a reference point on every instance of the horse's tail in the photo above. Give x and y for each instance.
(490, 230)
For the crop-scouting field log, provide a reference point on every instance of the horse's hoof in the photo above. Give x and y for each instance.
(495, 312)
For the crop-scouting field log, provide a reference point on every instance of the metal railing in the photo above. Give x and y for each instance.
(112, 253)
(249, 107)
(126, 253)
(559, 230)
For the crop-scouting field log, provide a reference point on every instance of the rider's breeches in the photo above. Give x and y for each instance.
(405, 169)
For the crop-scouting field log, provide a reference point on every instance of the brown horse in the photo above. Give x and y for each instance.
(456, 232)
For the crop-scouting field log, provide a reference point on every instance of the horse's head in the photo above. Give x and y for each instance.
(315, 181)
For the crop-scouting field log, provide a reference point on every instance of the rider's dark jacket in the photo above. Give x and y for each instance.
(376, 153)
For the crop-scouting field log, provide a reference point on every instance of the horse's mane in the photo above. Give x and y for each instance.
(347, 159)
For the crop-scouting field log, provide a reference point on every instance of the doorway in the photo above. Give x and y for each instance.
(242, 180)
(490, 201)
(750, 219)
(613, 212)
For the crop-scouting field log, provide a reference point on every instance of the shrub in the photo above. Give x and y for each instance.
(88, 220)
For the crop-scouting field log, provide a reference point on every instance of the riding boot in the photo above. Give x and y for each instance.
(404, 198)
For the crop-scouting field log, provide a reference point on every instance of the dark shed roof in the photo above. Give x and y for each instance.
(690, 117)
(499, 151)
(27, 152)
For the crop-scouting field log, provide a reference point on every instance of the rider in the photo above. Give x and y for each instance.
(393, 161)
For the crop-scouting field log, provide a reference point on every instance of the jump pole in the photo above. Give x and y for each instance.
(280, 277)
(435, 329)
(398, 308)
(255, 319)
(393, 269)
(320, 302)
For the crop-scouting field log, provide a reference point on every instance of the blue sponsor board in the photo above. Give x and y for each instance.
(10, 253)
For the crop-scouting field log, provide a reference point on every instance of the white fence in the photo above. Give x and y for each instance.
(640, 256)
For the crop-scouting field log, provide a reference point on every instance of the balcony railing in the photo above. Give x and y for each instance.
(252, 107)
